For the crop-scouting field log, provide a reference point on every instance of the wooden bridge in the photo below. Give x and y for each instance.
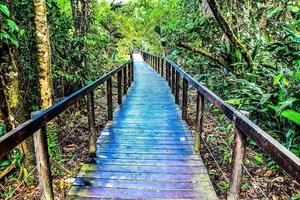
(146, 150)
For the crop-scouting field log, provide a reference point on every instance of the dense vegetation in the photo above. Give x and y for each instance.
(247, 52)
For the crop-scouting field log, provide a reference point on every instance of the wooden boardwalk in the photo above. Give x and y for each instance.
(146, 151)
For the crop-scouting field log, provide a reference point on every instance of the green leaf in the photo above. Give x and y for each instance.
(265, 98)
(4, 9)
(240, 101)
(4, 35)
(297, 76)
(285, 81)
(4, 163)
(292, 115)
(11, 24)
(258, 159)
(274, 11)
(245, 186)
(277, 78)
(293, 8)
(13, 39)
(9, 36)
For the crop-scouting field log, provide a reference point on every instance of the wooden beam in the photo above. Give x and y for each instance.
(91, 122)
(42, 161)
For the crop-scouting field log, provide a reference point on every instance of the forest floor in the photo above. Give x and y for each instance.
(262, 178)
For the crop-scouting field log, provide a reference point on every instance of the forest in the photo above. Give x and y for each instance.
(247, 52)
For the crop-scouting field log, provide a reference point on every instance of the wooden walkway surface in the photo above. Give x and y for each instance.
(146, 152)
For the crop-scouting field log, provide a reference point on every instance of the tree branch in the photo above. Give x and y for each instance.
(208, 55)
(229, 33)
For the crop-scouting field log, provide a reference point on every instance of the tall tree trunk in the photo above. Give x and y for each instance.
(10, 77)
(44, 53)
(44, 70)
(229, 32)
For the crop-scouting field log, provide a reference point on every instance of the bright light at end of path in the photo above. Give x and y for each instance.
(137, 57)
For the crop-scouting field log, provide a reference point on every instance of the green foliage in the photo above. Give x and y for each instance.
(258, 158)
(9, 28)
(4, 10)
(224, 186)
(245, 186)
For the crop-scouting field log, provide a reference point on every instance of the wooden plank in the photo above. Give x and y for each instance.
(170, 177)
(143, 169)
(141, 193)
(156, 163)
(148, 156)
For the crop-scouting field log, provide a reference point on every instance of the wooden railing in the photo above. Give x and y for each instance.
(35, 126)
(243, 127)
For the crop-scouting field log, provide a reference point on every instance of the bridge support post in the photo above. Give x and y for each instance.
(169, 73)
(42, 161)
(129, 74)
(162, 67)
(158, 65)
(109, 99)
(184, 98)
(125, 80)
(237, 161)
(199, 119)
(173, 80)
(177, 87)
(91, 122)
(132, 72)
(119, 87)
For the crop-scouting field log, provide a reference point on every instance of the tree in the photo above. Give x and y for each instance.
(44, 69)
(10, 82)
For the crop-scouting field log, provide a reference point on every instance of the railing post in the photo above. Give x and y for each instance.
(170, 75)
(167, 72)
(42, 161)
(109, 99)
(119, 87)
(177, 87)
(184, 99)
(158, 67)
(199, 118)
(162, 67)
(129, 74)
(132, 71)
(237, 161)
(125, 80)
(91, 122)
(173, 80)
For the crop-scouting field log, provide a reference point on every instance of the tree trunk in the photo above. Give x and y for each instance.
(229, 33)
(10, 77)
(44, 53)
(44, 70)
